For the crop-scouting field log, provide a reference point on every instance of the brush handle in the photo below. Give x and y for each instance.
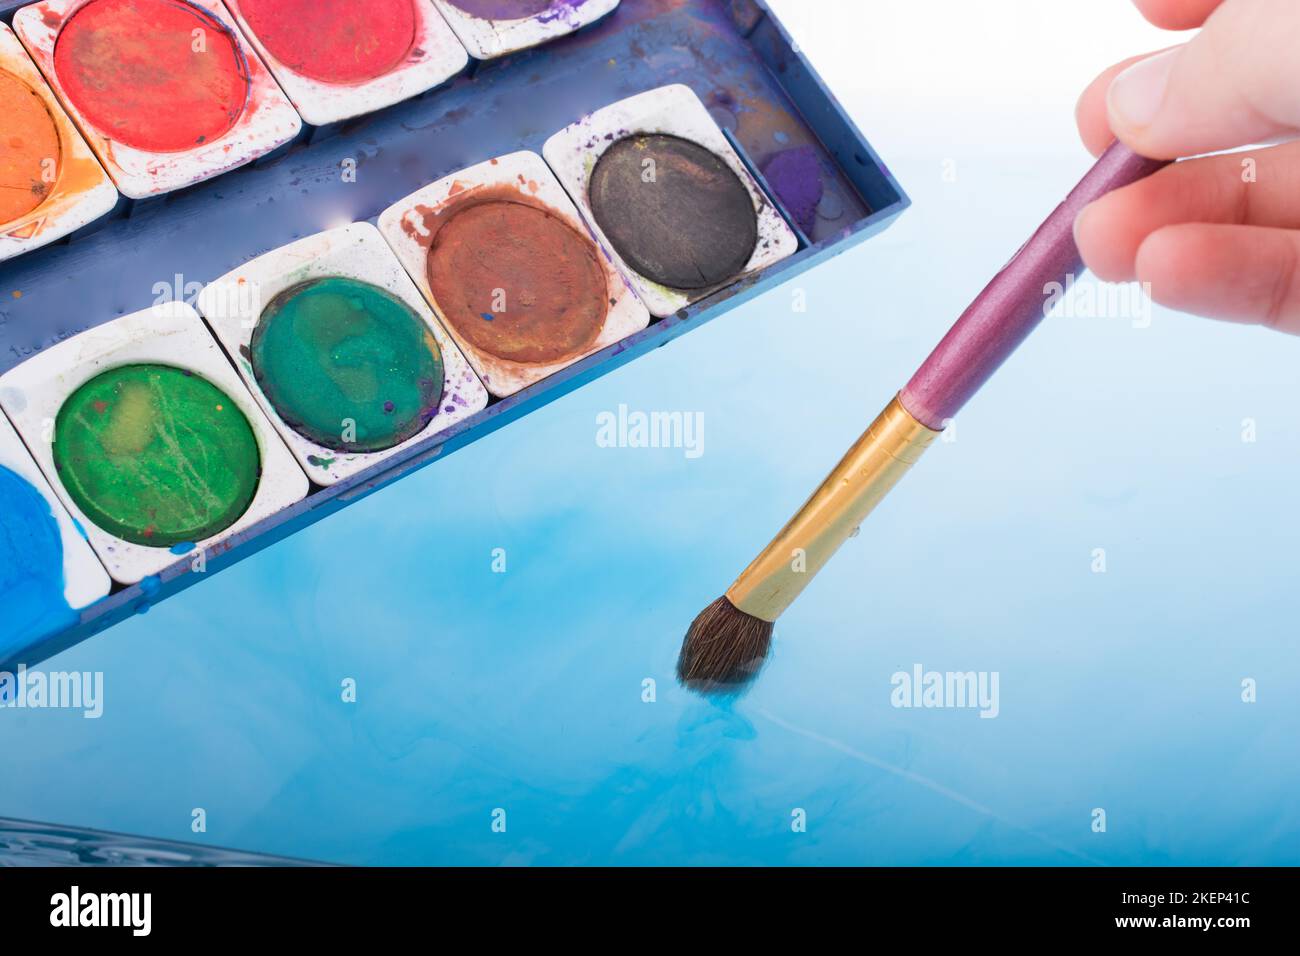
(1013, 304)
(865, 475)
(983, 338)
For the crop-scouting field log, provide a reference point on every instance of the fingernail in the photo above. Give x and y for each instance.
(1137, 94)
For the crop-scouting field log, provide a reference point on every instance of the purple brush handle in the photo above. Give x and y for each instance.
(1012, 305)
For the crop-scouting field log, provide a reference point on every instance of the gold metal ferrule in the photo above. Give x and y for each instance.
(891, 446)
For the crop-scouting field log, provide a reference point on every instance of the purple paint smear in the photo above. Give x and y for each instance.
(1013, 303)
(561, 8)
(795, 176)
(516, 9)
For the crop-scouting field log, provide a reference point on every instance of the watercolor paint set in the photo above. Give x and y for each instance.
(378, 232)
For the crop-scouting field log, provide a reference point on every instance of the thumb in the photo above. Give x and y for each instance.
(1236, 83)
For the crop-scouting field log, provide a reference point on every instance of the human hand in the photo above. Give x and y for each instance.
(1217, 236)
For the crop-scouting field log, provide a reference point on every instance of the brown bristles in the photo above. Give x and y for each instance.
(724, 649)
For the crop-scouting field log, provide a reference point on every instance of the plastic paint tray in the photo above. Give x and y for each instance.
(734, 53)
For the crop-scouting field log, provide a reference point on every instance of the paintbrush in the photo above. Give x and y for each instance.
(728, 643)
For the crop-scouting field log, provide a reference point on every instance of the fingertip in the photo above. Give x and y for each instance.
(1098, 239)
(1135, 103)
(1145, 141)
(1093, 128)
(1178, 14)
(1092, 111)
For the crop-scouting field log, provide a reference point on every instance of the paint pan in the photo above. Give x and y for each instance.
(47, 571)
(341, 352)
(669, 195)
(50, 182)
(512, 270)
(150, 439)
(167, 92)
(337, 59)
(493, 28)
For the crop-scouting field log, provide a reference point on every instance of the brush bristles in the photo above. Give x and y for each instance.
(724, 649)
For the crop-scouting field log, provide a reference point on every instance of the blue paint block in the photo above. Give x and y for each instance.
(47, 570)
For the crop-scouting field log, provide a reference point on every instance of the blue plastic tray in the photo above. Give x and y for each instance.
(734, 53)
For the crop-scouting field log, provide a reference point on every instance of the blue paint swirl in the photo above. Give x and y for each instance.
(31, 568)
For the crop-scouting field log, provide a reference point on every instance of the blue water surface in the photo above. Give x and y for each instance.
(525, 691)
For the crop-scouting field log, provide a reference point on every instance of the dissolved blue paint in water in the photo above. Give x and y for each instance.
(31, 567)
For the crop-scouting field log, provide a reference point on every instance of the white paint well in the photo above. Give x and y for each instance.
(168, 334)
(673, 111)
(267, 122)
(233, 305)
(435, 56)
(488, 39)
(405, 227)
(81, 191)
